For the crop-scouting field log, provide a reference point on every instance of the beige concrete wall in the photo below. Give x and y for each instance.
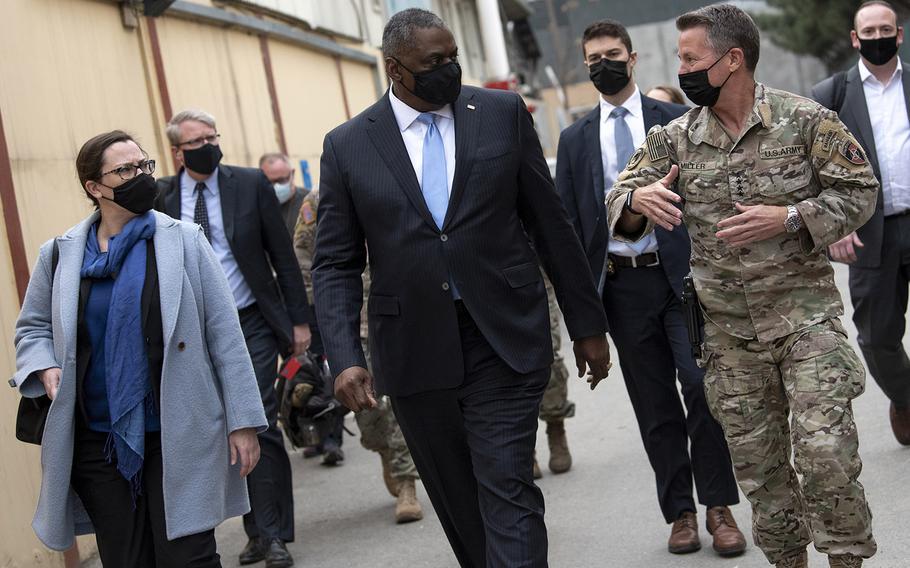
(71, 70)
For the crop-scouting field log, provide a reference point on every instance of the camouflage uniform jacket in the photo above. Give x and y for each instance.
(792, 152)
(305, 249)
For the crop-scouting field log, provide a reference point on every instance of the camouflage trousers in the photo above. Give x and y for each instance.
(379, 432)
(811, 376)
(555, 405)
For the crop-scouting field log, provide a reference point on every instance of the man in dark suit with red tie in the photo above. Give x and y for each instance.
(641, 285)
(447, 187)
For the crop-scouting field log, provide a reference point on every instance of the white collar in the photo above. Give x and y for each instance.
(632, 104)
(405, 115)
(864, 72)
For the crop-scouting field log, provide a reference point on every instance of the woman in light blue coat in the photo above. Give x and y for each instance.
(130, 328)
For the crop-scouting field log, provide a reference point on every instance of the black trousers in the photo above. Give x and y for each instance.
(127, 536)
(648, 327)
(474, 446)
(879, 297)
(271, 491)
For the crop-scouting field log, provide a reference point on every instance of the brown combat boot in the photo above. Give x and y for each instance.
(798, 560)
(407, 509)
(684, 534)
(728, 540)
(536, 471)
(845, 561)
(390, 482)
(900, 424)
(560, 458)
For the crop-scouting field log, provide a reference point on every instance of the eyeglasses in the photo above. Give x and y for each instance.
(199, 142)
(129, 171)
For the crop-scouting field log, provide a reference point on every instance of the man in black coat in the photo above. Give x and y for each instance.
(444, 184)
(872, 98)
(241, 217)
(641, 285)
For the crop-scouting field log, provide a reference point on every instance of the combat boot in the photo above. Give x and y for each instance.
(799, 560)
(390, 482)
(845, 561)
(560, 458)
(407, 509)
(536, 471)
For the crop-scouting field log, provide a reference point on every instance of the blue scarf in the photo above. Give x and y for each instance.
(129, 389)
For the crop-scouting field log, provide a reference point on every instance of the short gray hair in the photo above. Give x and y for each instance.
(270, 157)
(727, 27)
(398, 34)
(173, 125)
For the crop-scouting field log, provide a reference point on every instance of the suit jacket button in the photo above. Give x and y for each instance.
(181, 346)
(443, 237)
(445, 286)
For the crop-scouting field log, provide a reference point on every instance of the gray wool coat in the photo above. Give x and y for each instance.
(208, 388)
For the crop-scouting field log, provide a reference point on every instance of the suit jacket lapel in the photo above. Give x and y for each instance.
(383, 131)
(169, 258)
(172, 198)
(905, 79)
(467, 123)
(227, 188)
(595, 196)
(855, 104)
(651, 113)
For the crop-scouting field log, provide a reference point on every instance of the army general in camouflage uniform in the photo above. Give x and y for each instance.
(379, 430)
(766, 181)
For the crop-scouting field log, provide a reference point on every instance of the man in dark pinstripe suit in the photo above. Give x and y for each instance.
(445, 185)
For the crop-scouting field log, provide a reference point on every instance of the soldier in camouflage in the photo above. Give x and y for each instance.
(766, 181)
(555, 406)
(379, 429)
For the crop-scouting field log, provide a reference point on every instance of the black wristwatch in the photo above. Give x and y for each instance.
(628, 204)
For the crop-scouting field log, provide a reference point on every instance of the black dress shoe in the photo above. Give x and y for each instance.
(252, 552)
(277, 555)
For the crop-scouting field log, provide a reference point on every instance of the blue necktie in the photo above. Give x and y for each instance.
(434, 181)
(622, 138)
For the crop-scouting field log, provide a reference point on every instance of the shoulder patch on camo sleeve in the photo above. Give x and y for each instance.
(657, 146)
(851, 151)
(308, 213)
(635, 158)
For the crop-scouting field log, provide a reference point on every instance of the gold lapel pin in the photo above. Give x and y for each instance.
(471, 107)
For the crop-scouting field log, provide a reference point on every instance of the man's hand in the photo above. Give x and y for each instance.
(592, 352)
(657, 202)
(354, 389)
(50, 378)
(244, 445)
(752, 224)
(302, 339)
(843, 250)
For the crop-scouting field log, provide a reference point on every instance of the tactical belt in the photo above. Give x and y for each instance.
(640, 261)
(898, 214)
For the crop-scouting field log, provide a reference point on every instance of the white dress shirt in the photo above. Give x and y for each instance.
(635, 119)
(413, 132)
(243, 296)
(891, 131)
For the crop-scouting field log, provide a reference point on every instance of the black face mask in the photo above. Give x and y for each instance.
(136, 195)
(203, 160)
(878, 51)
(699, 89)
(439, 86)
(609, 77)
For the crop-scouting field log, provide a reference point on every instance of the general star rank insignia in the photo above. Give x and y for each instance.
(635, 158)
(852, 152)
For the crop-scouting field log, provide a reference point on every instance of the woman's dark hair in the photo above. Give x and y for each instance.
(91, 157)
